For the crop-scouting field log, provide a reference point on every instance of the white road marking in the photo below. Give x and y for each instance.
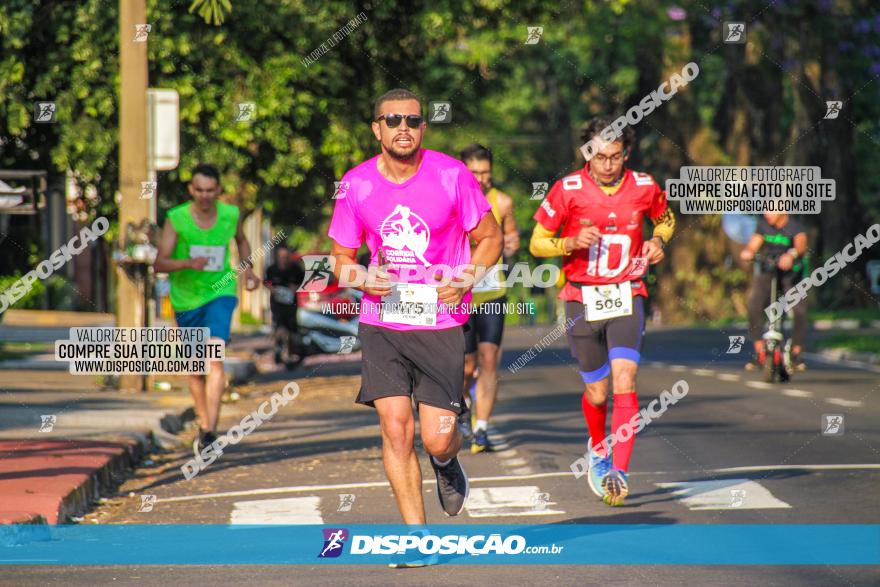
(506, 454)
(677, 368)
(796, 468)
(518, 462)
(846, 403)
(797, 393)
(499, 441)
(508, 478)
(847, 362)
(521, 500)
(704, 372)
(728, 377)
(523, 471)
(287, 510)
(727, 494)
(758, 385)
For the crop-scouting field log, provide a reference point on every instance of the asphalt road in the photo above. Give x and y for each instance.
(733, 451)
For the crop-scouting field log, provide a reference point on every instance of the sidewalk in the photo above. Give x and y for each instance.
(35, 326)
(90, 440)
(64, 440)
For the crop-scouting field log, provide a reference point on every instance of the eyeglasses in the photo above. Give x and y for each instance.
(616, 158)
(413, 121)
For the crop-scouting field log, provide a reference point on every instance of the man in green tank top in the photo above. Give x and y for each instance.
(194, 251)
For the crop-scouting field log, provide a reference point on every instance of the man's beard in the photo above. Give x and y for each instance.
(402, 154)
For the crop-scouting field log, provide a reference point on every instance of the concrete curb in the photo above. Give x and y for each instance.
(20, 518)
(106, 478)
(133, 447)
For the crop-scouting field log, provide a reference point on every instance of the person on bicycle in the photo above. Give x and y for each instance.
(283, 278)
(779, 237)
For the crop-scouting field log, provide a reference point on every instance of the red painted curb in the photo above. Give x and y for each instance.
(57, 479)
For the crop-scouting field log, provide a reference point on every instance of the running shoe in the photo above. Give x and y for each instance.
(481, 442)
(616, 487)
(599, 467)
(202, 440)
(452, 486)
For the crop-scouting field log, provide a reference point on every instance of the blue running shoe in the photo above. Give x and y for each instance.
(481, 442)
(599, 468)
(616, 487)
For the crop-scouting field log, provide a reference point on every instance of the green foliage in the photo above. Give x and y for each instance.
(248, 319)
(212, 11)
(28, 301)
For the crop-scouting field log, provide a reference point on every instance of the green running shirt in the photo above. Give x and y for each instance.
(190, 288)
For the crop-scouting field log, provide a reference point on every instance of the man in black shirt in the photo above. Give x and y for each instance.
(777, 235)
(282, 279)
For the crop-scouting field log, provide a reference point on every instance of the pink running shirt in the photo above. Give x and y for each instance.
(422, 222)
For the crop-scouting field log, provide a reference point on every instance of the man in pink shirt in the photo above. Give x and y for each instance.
(415, 209)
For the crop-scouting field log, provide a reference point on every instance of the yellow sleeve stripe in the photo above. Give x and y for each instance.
(664, 225)
(544, 244)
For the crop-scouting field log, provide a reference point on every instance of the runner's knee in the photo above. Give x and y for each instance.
(597, 393)
(488, 357)
(436, 443)
(398, 433)
(624, 376)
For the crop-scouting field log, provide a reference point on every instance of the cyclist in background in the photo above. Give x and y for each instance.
(777, 235)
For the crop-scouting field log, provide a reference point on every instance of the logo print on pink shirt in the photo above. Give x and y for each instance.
(405, 237)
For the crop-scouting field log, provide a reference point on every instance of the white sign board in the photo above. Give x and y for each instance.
(164, 129)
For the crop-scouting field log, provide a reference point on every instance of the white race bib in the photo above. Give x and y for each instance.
(410, 303)
(611, 300)
(215, 255)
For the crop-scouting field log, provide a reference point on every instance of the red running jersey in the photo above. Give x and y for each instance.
(615, 258)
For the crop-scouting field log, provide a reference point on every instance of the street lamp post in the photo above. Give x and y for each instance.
(131, 309)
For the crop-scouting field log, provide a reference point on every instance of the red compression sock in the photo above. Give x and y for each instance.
(626, 405)
(595, 417)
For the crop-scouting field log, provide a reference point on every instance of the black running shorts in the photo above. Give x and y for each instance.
(594, 344)
(486, 325)
(425, 364)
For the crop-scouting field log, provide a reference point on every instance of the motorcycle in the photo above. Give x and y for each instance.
(327, 324)
(777, 347)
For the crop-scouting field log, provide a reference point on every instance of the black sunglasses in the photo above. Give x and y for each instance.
(394, 120)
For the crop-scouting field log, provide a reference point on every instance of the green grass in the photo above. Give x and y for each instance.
(862, 343)
(247, 319)
(10, 351)
(865, 314)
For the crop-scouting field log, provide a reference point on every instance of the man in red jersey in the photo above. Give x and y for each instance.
(599, 212)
